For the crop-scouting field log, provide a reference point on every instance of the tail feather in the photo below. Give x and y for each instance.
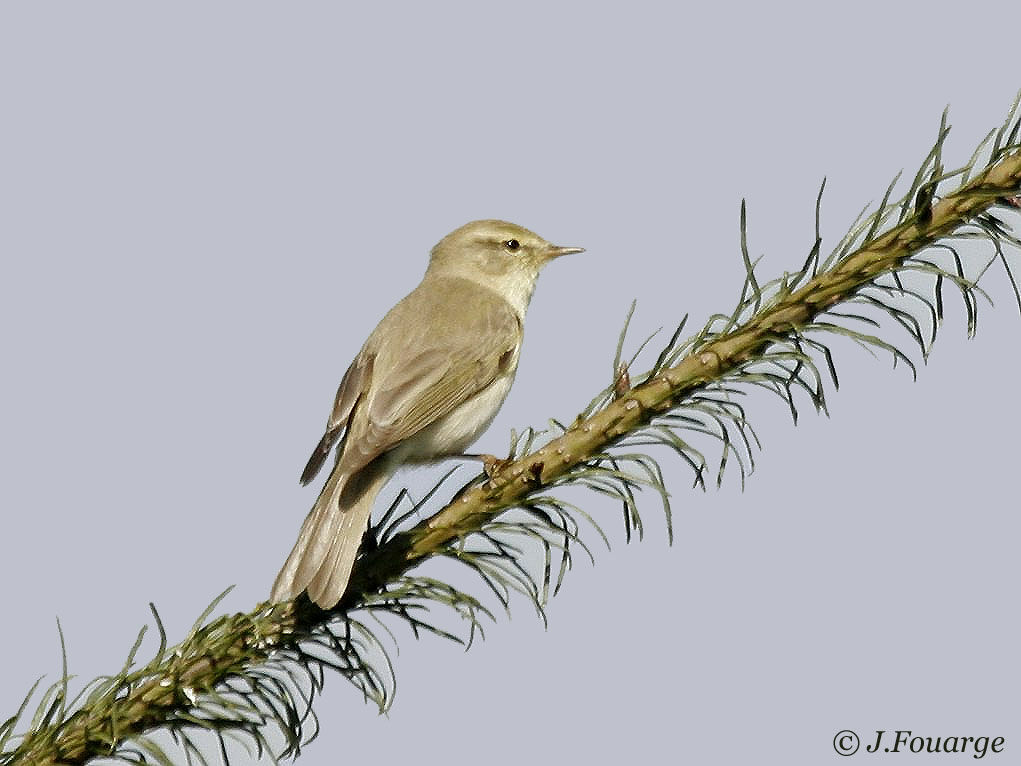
(330, 581)
(327, 546)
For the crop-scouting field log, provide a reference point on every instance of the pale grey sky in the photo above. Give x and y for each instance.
(207, 206)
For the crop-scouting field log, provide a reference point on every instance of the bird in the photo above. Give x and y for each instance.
(426, 384)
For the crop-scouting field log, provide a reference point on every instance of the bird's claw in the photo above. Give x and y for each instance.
(492, 464)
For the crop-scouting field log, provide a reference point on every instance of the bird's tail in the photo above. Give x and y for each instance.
(322, 558)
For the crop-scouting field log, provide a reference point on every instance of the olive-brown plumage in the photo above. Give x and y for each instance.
(426, 384)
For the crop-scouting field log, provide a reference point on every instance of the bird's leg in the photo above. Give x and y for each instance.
(491, 464)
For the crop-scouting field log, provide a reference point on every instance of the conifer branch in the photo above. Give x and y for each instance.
(243, 677)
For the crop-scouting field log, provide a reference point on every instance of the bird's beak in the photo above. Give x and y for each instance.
(555, 251)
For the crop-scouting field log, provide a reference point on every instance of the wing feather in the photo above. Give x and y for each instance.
(353, 383)
(454, 340)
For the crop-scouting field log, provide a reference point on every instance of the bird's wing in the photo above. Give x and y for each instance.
(453, 344)
(350, 389)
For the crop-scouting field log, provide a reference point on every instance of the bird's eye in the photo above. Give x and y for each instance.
(512, 244)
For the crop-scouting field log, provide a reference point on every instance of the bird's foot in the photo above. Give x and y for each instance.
(491, 464)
